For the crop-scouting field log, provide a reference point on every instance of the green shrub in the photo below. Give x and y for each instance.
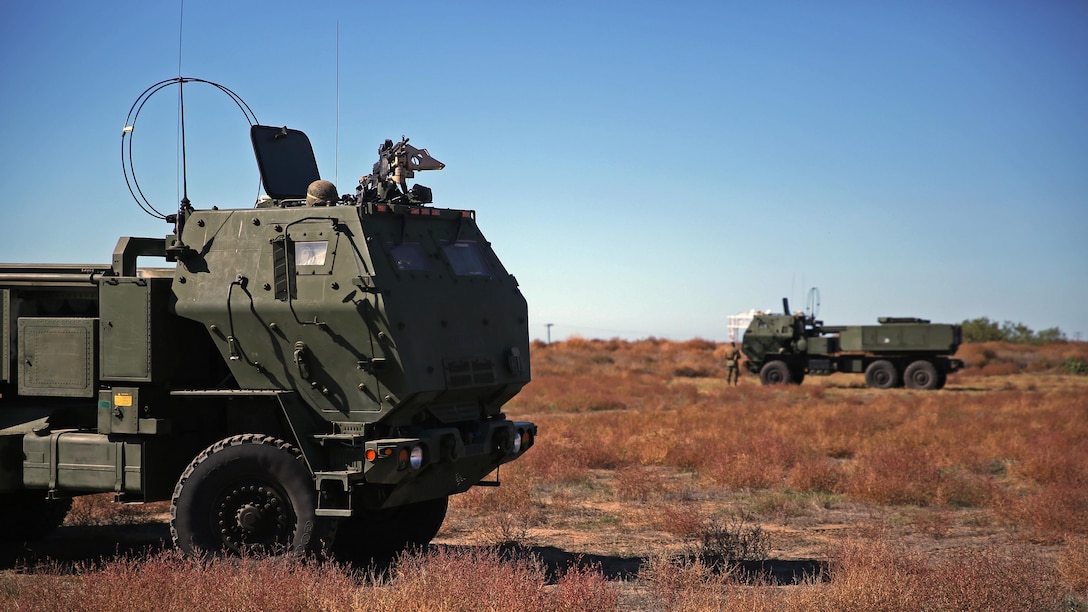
(1076, 366)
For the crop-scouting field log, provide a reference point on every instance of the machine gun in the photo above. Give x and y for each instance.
(388, 180)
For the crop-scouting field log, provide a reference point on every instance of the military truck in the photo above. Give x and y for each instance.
(900, 351)
(314, 370)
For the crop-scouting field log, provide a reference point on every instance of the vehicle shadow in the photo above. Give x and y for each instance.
(74, 544)
(68, 547)
(556, 561)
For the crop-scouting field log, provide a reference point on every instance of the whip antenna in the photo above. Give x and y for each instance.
(336, 154)
(184, 202)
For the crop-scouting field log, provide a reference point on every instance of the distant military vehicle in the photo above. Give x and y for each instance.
(784, 348)
(319, 367)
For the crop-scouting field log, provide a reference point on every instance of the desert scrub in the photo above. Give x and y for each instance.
(1076, 366)
(442, 579)
(100, 509)
(725, 541)
(871, 574)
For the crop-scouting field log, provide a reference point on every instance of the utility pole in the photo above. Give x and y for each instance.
(549, 326)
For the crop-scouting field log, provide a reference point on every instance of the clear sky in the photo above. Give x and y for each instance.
(644, 169)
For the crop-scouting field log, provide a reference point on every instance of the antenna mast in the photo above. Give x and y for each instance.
(184, 203)
(336, 155)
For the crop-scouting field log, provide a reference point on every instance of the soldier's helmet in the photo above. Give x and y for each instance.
(321, 193)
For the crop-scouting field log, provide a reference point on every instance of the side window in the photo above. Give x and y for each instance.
(409, 257)
(311, 245)
(311, 253)
(466, 259)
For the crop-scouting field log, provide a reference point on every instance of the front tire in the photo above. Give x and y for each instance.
(881, 374)
(921, 375)
(248, 494)
(775, 373)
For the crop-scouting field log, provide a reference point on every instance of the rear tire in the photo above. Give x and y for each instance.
(921, 375)
(881, 374)
(775, 373)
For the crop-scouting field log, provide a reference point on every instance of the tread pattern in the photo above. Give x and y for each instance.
(238, 440)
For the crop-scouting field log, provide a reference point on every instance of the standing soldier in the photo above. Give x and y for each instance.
(732, 362)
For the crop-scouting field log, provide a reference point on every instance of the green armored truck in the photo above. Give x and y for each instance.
(900, 351)
(314, 371)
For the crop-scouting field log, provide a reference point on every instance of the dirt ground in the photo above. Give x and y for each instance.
(799, 546)
(620, 537)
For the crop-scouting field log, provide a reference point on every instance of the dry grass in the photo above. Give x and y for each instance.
(443, 579)
(871, 575)
(995, 460)
(1073, 565)
(1015, 450)
(1001, 358)
(973, 497)
(100, 509)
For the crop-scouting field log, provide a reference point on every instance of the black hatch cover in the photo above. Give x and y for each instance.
(286, 161)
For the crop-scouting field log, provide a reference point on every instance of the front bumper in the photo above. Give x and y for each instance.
(432, 463)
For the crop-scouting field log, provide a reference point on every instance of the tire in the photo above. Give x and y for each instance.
(921, 375)
(30, 515)
(248, 494)
(881, 374)
(775, 373)
(381, 534)
(942, 378)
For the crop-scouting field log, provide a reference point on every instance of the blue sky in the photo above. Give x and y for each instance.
(644, 169)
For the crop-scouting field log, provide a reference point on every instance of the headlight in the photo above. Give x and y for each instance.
(517, 442)
(415, 460)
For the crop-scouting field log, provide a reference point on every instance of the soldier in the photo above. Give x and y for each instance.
(732, 362)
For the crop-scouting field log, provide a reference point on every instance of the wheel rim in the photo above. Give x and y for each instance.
(922, 375)
(881, 375)
(254, 517)
(775, 374)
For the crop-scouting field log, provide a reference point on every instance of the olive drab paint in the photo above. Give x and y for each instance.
(900, 351)
(371, 338)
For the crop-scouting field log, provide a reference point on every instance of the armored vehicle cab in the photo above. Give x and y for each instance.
(316, 366)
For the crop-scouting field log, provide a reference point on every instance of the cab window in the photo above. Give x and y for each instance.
(466, 258)
(409, 257)
(311, 253)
